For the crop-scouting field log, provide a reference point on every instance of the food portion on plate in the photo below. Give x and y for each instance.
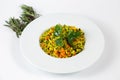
(62, 41)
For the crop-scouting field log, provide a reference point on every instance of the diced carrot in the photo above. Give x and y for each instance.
(56, 54)
(47, 37)
(62, 50)
(60, 56)
(42, 44)
(55, 51)
(63, 54)
(68, 53)
(67, 46)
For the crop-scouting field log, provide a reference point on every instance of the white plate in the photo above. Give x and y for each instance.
(29, 44)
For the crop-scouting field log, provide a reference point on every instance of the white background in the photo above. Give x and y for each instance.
(105, 13)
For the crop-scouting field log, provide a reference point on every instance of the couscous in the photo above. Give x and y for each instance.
(62, 41)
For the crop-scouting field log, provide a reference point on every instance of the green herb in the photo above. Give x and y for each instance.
(71, 36)
(28, 14)
(58, 30)
(59, 42)
(18, 25)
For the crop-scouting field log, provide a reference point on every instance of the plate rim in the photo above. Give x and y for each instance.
(62, 72)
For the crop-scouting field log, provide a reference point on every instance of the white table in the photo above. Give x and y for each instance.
(105, 13)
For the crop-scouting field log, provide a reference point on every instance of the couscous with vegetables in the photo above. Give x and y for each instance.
(62, 41)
